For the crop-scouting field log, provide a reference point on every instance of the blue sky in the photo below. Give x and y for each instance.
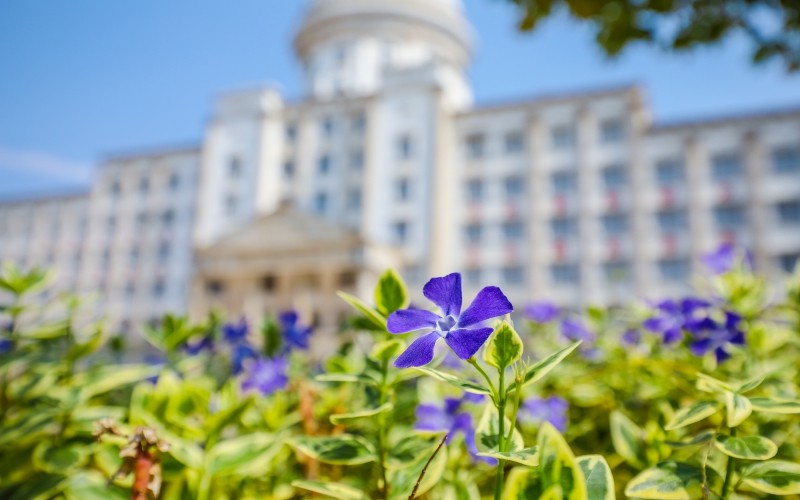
(82, 79)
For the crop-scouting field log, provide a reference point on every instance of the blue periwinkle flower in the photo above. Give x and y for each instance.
(552, 409)
(721, 260)
(451, 419)
(204, 344)
(266, 376)
(456, 327)
(235, 335)
(542, 311)
(673, 317)
(295, 335)
(631, 337)
(5, 346)
(717, 336)
(574, 329)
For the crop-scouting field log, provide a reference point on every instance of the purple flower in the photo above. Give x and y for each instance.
(266, 376)
(204, 344)
(452, 420)
(673, 317)
(235, 334)
(542, 312)
(575, 329)
(5, 346)
(453, 325)
(721, 260)
(294, 335)
(710, 335)
(631, 337)
(552, 409)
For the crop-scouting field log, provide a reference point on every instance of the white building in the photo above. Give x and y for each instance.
(578, 197)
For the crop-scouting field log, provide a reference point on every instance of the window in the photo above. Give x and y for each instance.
(291, 132)
(565, 273)
(475, 146)
(513, 275)
(354, 199)
(174, 181)
(134, 256)
(786, 160)
(473, 232)
(163, 252)
(357, 159)
(788, 262)
(288, 169)
(168, 217)
(158, 288)
(141, 220)
(215, 287)
(673, 269)
(327, 127)
(473, 276)
(359, 123)
(231, 204)
(672, 220)
(564, 226)
(400, 231)
(789, 212)
(616, 271)
(144, 186)
(615, 177)
(324, 164)
(116, 189)
(321, 203)
(403, 189)
(513, 230)
(514, 186)
(563, 137)
(474, 189)
(725, 167)
(234, 168)
(564, 182)
(269, 283)
(615, 224)
(612, 130)
(730, 217)
(670, 172)
(404, 147)
(348, 279)
(514, 142)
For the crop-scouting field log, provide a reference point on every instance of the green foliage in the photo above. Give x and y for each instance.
(504, 347)
(391, 293)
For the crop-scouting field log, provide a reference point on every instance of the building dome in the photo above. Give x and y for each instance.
(345, 43)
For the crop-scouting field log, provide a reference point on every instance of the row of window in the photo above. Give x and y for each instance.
(328, 126)
(143, 219)
(144, 185)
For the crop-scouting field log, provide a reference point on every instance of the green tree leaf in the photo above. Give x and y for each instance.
(775, 477)
(504, 347)
(390, 293)
(627, 439)
(692, 414)
(537, 371)
(768, 405)
(344, 449)
(738, 408)
(747, 447)
(558, 467)
(597, 474)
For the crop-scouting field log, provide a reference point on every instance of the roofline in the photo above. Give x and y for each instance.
(727, 118)
(153, 152)
(44, 196)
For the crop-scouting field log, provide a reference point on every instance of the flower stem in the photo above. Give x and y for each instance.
(486, 377)
(382, 434)
(727, 486)
(501, 421)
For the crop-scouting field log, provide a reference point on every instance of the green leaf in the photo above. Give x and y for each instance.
(522, 483)
(750, 384)
(108, 378)
(558, 468)
(412, 448)
(708, 383)
(488, 429)
(627, 439)
(543, 367)
(597, 474)
(344, 449)
(371, 314)
(775, 477)
(768, 405)
(90, 485)
(669, 481)
(504, 347)
(465, 385)
(59, 458)
(245, 455)
(390, 293)
(692, 414)
(525, 456)
(332, 490)
(384, 351)
(739, 408)
(343, 418)
(343, 377)
(747, 447)
(402, 479)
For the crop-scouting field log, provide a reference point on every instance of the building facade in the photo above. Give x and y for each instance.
(580, 197)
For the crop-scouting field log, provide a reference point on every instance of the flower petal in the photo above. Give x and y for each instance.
(489, 303)
(465, 343)
(408, 320)
(445, 292)
(419, 353)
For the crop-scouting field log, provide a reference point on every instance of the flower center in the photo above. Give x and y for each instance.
(444, 325)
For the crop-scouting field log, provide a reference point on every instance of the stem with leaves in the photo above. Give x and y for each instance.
(727, 486)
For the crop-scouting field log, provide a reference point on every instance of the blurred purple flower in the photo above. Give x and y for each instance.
(452, 325)
(294, 335)
(235, 334)
(542, 311)
(5, 346)
(450, 419)
(631, 337)
(266, 376)
(552, 409)
(721, 260)
(673, 317)
(204, 344)
(710, 335)
(575, 329)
